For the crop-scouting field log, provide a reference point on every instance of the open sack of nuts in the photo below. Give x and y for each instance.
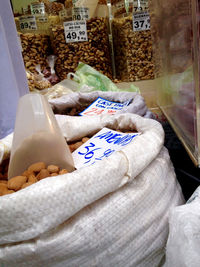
(111, 213)
(74, 103)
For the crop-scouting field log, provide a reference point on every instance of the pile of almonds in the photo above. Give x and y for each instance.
(33, 174)
(75, 145)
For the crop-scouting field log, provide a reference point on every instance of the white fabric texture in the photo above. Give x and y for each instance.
(137, 105)
(5, 147)
(184, 236)
(112, 213)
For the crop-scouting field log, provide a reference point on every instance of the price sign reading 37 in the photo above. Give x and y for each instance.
(141, 21)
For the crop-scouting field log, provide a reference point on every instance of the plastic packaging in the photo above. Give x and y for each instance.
(50, 74)
(37, 137)
(184, 226)
(89, 79)
(89, 44)
(132, 40)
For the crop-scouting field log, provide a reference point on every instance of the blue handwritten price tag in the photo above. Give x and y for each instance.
(101, 146)
(103, 106)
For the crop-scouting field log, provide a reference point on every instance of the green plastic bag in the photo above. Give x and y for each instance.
(90, 79)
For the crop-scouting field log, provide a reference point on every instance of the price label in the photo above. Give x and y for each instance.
(122, 3)
(65, 13)
(27, 23)
(80, 13)
(103, 106)
(141, 21)
(100, 146)
(140, 2)
(37, 9)
(25, 10)
(141, 5)
(75, 31)
(42, 19)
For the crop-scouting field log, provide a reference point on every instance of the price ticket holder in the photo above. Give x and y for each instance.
(12, 73)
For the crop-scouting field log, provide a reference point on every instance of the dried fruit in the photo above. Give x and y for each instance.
(26, 185)
(32, 179)
(16, 182)
(63, 171)
(53, 168)
(37, 167)
(44, 173)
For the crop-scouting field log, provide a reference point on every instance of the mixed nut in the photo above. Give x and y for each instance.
(94, 52)
(133, 51)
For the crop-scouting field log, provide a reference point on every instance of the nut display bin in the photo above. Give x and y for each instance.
(175, 28)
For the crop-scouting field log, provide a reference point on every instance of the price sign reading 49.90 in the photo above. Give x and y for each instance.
(141, 21)
(75, 31)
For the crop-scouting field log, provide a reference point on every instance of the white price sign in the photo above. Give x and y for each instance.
(65, 13)
(103, 106)
(37, 9)
(80, 13)
(75, 31)
(100, 146)
(141, 21)
(27, 23)
(42, 19)
(140, 5)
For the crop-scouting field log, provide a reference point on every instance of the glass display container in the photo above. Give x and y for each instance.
(175, 29)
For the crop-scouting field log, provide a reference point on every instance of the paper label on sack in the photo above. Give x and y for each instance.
(80, 13)
(103, 106)
(141, 21)
(37, 9)
(75, 31)
(27, 23)
(100, 146)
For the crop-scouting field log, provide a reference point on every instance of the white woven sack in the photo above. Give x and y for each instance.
(137, 105)
(112, 213)
(184, 238)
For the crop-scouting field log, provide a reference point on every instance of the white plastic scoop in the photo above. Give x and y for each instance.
(37, 137)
